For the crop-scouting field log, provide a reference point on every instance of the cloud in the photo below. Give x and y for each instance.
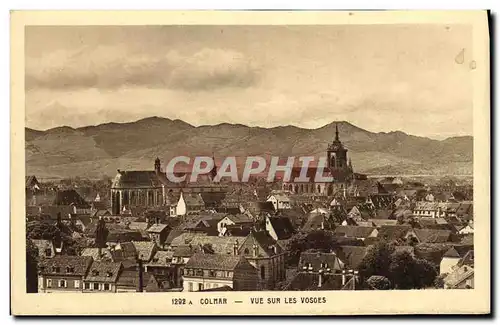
(214, 68)
(111, 67)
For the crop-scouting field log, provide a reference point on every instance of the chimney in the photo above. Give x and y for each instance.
(320, 279)
(343, 277)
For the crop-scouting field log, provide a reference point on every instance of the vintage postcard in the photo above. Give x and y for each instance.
(250, 163)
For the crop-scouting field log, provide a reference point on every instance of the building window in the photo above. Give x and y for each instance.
(96, 286)
(77, 284)
(48, 252)
(262, 272)
(62, 284)
(247, 251)
(106, 286)
(190, 286)
(200, 286)
(87, 286)
(212, 273)
(49, 283)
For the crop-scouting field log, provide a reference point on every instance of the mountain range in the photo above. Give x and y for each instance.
(95, 151)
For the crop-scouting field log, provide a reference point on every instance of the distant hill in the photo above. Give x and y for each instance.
(94, 151)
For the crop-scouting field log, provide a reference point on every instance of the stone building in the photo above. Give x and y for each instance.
(338, 166)
(211, 271)
(267, 256)
(151, 188)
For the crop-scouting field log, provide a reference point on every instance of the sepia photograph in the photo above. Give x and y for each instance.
(281, 167)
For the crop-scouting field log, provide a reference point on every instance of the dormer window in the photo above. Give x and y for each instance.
(56, 269)
(70, 269)
(95, 272)
(109, 274)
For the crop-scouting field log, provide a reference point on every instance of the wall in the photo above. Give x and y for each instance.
(70, 283)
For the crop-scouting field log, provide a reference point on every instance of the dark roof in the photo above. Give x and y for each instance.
(158, 227)
(282, 226)
(304, 281)
(266, 244)
(467, 239)
(224, 262)
(130, 279)
(172, 235)
(382, 222)
(70, 197)
(468, 259)
(137, 179)
(393, 232)
(185, 250)
(94, 253)
(432, 235)
(258, 207)
(193, 199)
(117, 235)
(103, 272)
(213, 198)
(239, 218)
(238, 230)
(52, 211)
(262, 193)
(351, 255)
(317, 261)
(458, 251)
(123, 251)
(353, 231)
(162, 258)
(314, 221)
(144, 249)
(31, 181)
(78, 265)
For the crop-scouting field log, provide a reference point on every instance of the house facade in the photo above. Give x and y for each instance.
(211, 271)
(102, 277)
(63, 273)
(266, 256)
(280, 201)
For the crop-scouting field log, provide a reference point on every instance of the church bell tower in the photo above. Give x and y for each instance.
(157, 165)
(336, 153)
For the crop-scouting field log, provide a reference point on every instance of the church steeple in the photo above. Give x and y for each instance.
(157, 165)
(213, 172)
(337, 132)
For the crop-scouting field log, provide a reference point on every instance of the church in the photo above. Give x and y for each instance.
(152, 188)
(338, 166)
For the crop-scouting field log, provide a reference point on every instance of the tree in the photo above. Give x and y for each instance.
(425, 273)
(439, 281)
(321, 240)
(31, 267)
(402, 269)
(379, 282)
(101, 234)
(376, 260)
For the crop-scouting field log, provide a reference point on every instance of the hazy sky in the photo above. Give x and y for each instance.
(381, 78)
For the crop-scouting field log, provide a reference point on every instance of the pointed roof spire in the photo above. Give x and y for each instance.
(337, 131)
